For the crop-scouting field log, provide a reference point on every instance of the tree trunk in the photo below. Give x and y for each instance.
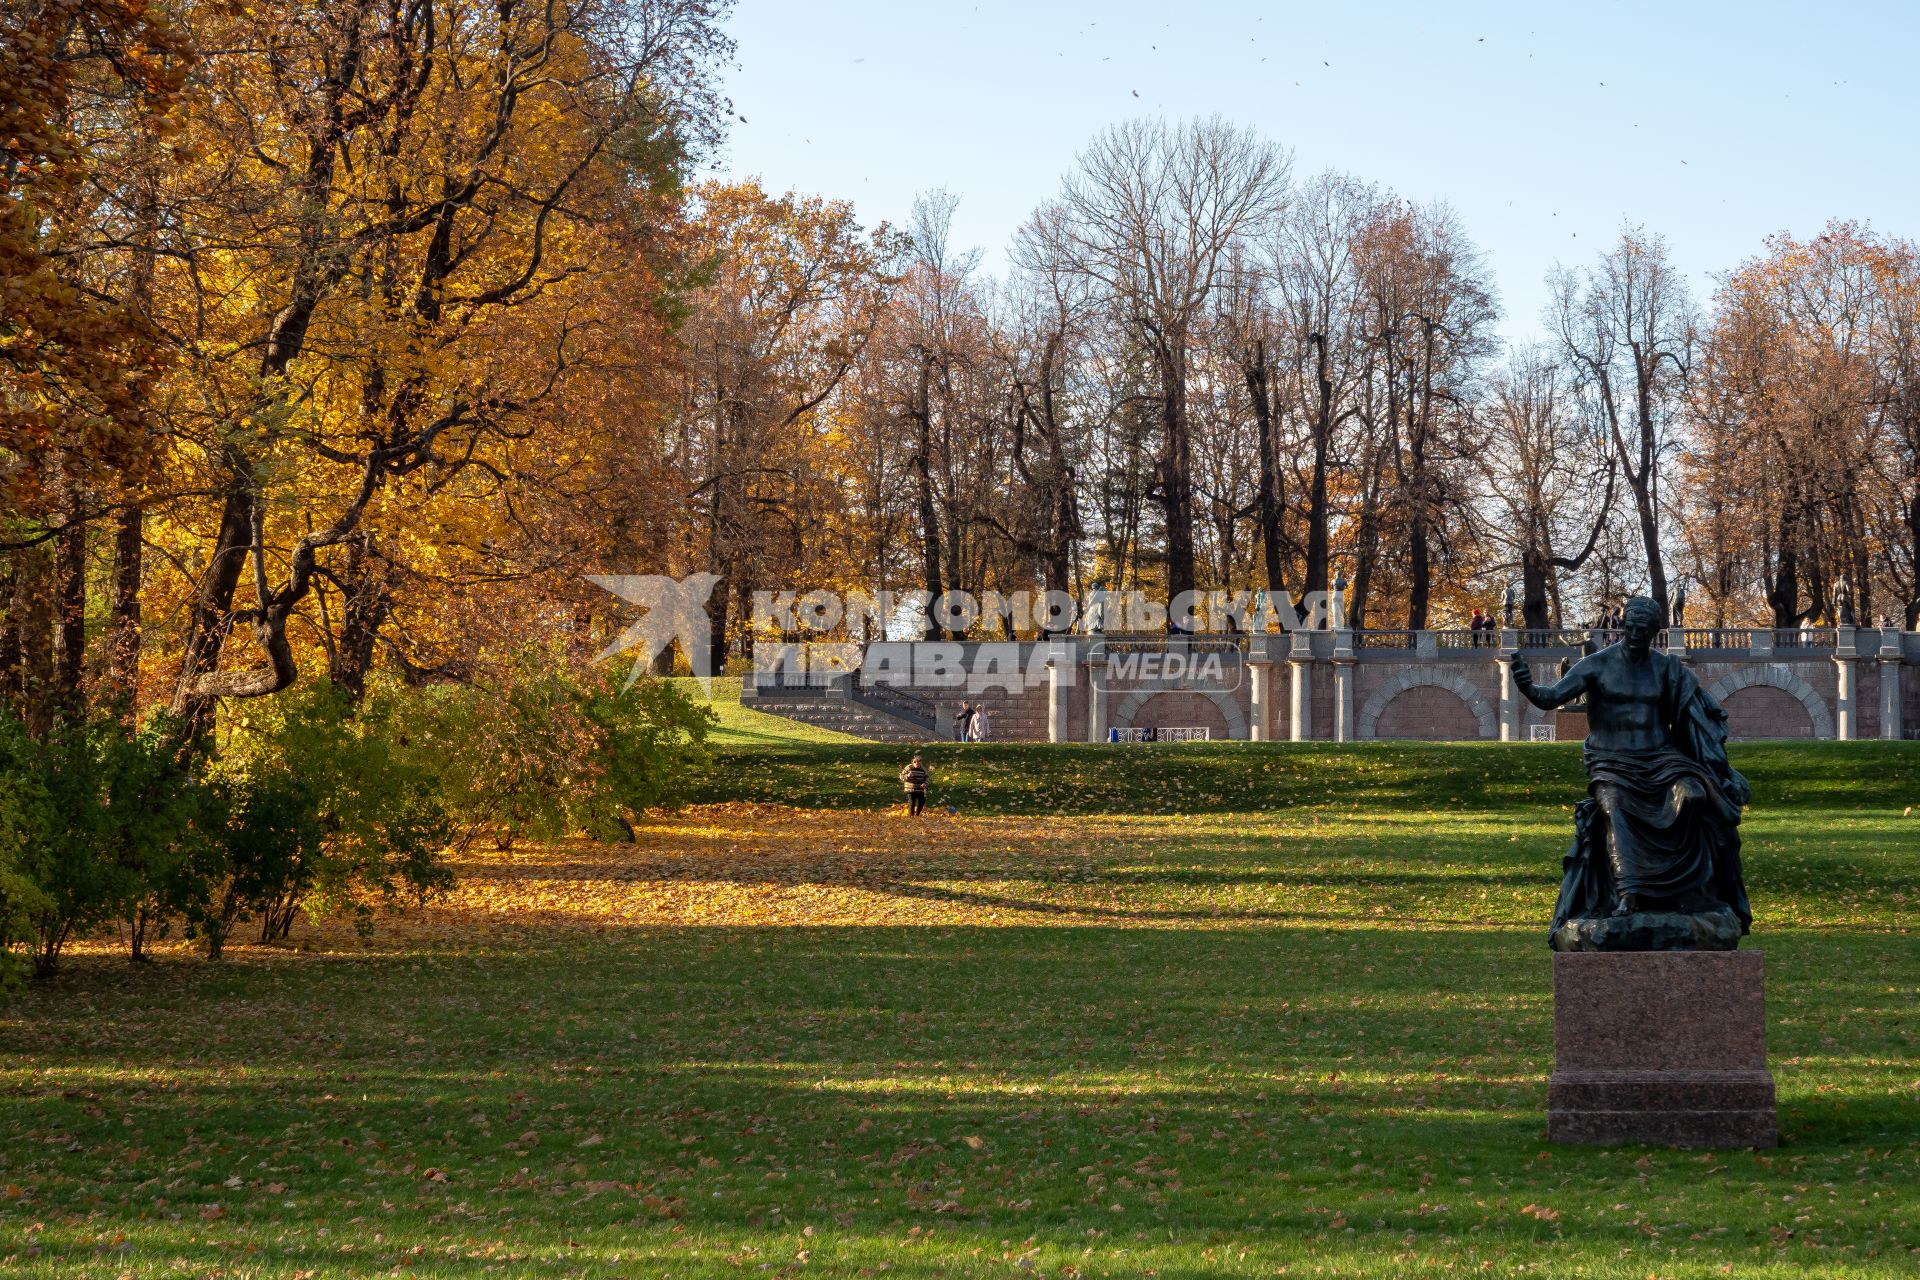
(922, 464)
(70, 624)
(9, 635)
(1783, 584)
(1365, 551)
(1913, 536)
(1318, 548)
(122, 687)
(1535, 571)
(1650, 539)
(1420, 483)
(1267, 499)
(1643, 483)
(1176, 475)
(32, 615)
(1419, 570)
(366, 599)
(718, 605)
(210, 619)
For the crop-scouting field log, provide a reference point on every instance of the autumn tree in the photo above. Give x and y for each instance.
(380, 193)
(795, 290)
(1431, 312)
(83, 85)
(1801, 412)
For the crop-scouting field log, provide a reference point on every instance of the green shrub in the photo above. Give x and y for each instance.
(153, 825)
(25, 815)
(119, 812)
(378, 825)
(263, 832)
(546, 751)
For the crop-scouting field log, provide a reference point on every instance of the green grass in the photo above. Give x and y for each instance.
(742, 727)
(1239, 777)
(1304, 1030)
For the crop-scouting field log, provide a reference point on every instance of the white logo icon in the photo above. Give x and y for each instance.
(676, 610)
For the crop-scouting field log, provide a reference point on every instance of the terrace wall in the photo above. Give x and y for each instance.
(1432, 685)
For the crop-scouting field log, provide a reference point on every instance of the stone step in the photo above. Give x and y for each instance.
(855, 719)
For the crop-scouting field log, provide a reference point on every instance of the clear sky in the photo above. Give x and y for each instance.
(1545, 125)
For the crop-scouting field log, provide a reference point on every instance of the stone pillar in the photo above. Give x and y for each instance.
(1300, 704)
(1260, 681)
(1096, 710)
(1343, 726)
(1513, 708)
(1891, 658)
(1845, 657)
(1060, 673)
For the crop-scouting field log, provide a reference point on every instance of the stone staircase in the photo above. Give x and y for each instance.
(841, 716)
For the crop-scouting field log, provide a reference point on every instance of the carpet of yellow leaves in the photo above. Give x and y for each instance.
(731, 865)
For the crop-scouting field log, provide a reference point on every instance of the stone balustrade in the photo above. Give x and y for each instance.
(1347, 685)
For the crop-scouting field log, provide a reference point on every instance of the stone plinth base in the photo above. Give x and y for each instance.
(1665, 1048)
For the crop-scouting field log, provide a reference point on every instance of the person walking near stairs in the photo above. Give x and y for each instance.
(915, 778)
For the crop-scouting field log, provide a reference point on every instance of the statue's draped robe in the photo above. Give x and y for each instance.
(1668, 812)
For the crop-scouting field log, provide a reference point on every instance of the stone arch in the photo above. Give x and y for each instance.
(1774, 677)
(1229, 709)
(1486, 722)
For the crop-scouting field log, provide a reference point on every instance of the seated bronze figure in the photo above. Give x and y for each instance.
(1655, 862)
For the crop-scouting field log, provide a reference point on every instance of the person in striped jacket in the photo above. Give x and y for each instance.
(915, 778)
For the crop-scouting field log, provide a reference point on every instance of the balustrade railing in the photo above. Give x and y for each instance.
(1718, 637)
(1803, 638)
(1466, 638)
(894, 701)
(1385, 639)
(1553, 637)
(1162, 642)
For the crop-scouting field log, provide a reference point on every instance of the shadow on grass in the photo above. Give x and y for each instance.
(1224, 777)
(984, 1082)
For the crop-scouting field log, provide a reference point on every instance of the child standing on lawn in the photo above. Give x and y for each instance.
(915, 778)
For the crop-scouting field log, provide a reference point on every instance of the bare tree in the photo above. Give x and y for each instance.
(1432, 311)
(1150, 214)
(1549, 476)
(1320, 334)
(1627, 326)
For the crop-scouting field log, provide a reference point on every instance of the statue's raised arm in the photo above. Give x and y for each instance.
(1560, 692)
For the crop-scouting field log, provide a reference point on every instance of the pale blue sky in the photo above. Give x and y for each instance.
(1545, 125)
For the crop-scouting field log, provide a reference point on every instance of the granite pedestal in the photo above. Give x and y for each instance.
(1663, 1048)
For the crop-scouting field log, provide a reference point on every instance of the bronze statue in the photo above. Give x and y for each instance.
(1655, 862)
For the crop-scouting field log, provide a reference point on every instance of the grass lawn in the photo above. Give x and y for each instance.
(1140, 1011)
(739, 726)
